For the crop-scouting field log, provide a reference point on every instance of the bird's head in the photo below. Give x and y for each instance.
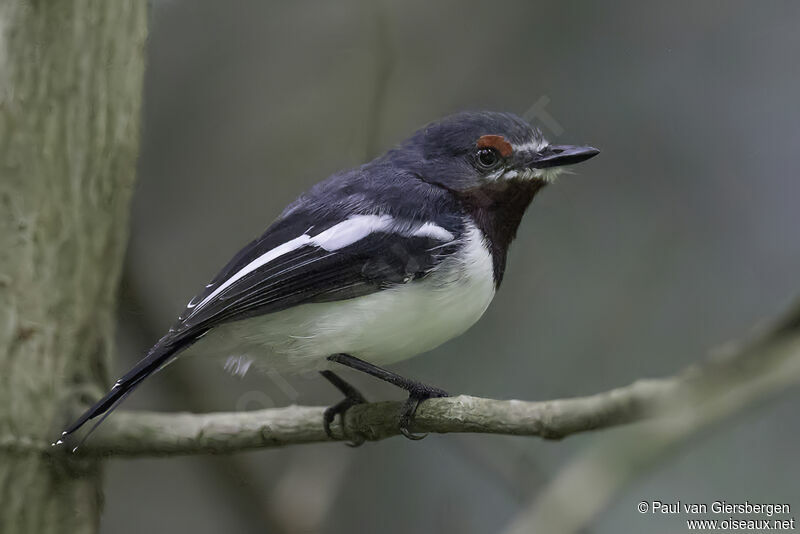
(470, 150)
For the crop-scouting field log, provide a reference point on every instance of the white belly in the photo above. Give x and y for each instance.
(382, 328)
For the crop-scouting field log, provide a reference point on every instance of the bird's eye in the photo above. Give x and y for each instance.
(487, 158)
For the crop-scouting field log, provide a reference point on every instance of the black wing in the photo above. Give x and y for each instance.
(311, 273)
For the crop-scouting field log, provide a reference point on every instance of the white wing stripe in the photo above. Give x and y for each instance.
(434, 231)
(262, 260)
(353, 229)
(334, 238)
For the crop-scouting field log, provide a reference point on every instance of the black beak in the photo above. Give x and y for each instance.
(558, 155)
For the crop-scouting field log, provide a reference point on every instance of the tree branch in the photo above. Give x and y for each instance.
(763, 366)
(147, 433)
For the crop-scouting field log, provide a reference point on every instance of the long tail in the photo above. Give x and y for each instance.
(157, 358)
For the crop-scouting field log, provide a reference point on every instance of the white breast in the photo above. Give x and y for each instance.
(382, 328)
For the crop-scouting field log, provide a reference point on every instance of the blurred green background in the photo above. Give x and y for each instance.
(680, 236)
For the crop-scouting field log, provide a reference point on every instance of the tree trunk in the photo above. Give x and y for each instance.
(70, 93)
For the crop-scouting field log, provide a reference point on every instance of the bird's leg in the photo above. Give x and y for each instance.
(351, 397)
(417, 391)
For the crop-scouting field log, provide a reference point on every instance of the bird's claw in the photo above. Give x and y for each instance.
(415, 398)
(352, 398)
(340, 408)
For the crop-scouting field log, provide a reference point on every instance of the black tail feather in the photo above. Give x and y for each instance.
(159, 356)
(106, 405)
(102, 418)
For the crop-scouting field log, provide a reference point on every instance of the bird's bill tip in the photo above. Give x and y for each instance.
(560, 155)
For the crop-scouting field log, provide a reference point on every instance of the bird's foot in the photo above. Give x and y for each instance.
(417, 391)
(416, 394)
(351, 398)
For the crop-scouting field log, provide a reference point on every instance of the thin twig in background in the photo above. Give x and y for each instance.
(594, 477)
(384, 67)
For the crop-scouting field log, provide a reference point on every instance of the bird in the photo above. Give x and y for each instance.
(371, 266)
